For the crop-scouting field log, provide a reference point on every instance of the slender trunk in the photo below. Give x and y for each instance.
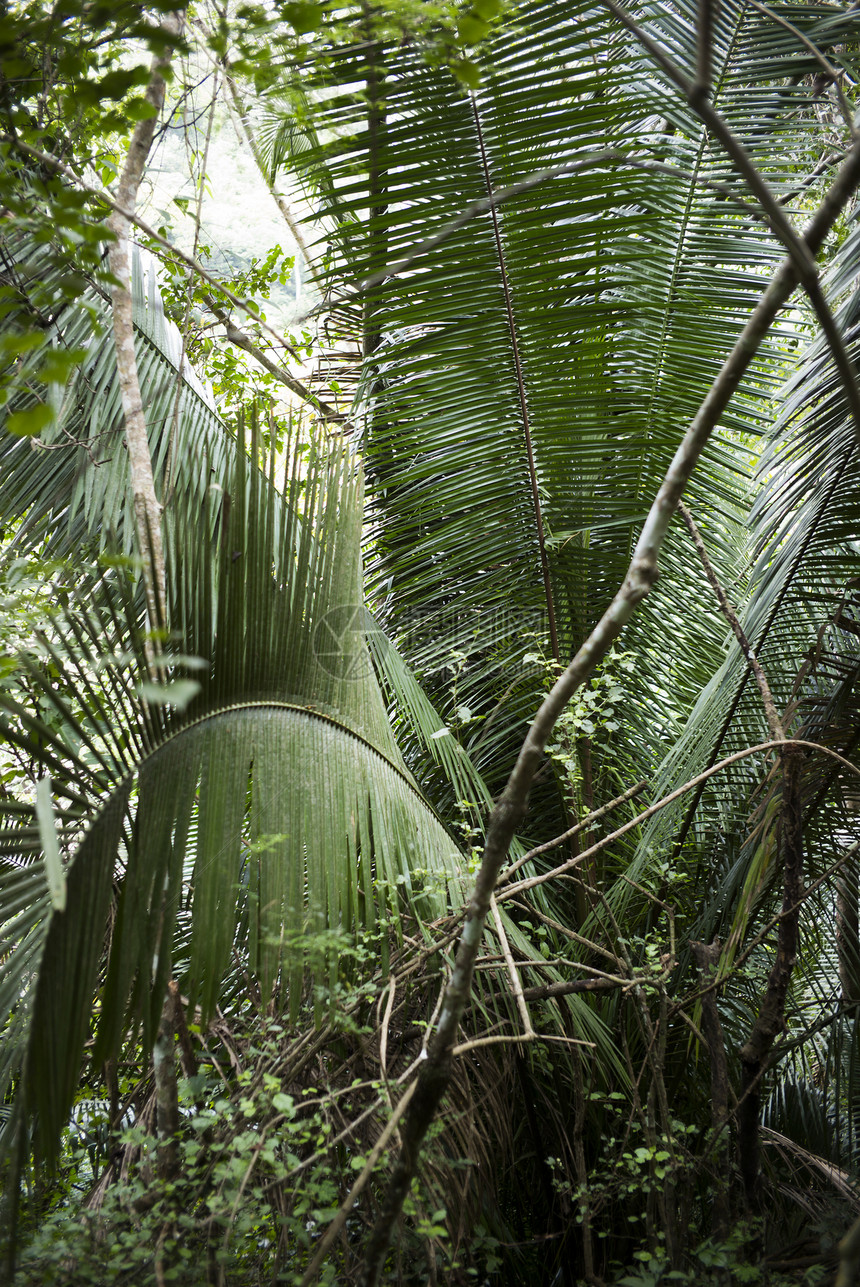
(770, 1022)
(848, 932)
(581, 1168)
(166, 1091)
(147, 510)
(848, 916)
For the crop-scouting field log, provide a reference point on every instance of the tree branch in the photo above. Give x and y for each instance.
(532, 881)
(516, 982)
(436, 1069)
(587, 821)
(239, 117)
(707, 957)
(105, 197)
(770, 1020)
(485, 204)
(244, 341)
(798, 249)
(830, 72)
(566, 987)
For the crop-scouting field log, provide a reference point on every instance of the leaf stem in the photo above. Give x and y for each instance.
(774, 723)
(521, 387)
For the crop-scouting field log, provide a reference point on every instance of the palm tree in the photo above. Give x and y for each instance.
(529, 371)
(270, 684)
(531, 366)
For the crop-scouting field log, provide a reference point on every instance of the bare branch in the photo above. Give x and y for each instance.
(189, 294)
(349, 1201)
(244, 341)
(704, 40)
(485, 204)
(798, 249)
(690, 785)
(242, 126)
(516, 982)
(584, 823)
(566, 987)
(104, 195)
(832, 74)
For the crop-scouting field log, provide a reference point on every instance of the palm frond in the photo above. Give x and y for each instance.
(528, 379)
(274, 808)
(70, 486)
(800, 610)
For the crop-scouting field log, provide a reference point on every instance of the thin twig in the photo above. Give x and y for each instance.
(383, 1040)
(242, 340)
(189, 291)
(565, 930)
(667, 799)
(516, 982)
(383, 1048)
(519, 1038)
(349, 1201)
(244, 133)
(584, 823)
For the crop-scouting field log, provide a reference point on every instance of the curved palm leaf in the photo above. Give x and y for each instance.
(277, 796)
(529, 378)
(800, 612)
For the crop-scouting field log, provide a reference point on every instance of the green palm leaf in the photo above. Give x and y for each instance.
(72, 486)
(801, 604)
(529, 378)
(276, 801)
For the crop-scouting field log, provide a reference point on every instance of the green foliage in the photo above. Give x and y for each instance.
(265, 815)
(235, 379)
(255, 1180)
(228, 763)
